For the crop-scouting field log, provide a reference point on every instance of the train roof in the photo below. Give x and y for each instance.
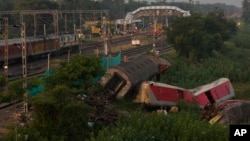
(159, 84)
(206, 87)
(140, 68)
(28, 39)
(11, 41)
(67, 35)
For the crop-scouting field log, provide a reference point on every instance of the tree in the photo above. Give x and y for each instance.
(59, 116)
(44, 18)
(217, 22)
(36, 5)
(6, 5)
(2, 81)
(80, 4)
(246, 11)
(80, 72)
(115, 7)
(197, 36)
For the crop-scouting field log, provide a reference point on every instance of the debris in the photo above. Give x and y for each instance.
(101, 110)
(173, 109)
(236, 111)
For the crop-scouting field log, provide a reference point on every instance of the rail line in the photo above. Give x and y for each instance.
(162, 47)
(8, 109)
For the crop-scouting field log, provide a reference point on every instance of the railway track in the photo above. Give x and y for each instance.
(37, 69)
(115, 42)
(8, 113)
(34, 70)
(38, 66)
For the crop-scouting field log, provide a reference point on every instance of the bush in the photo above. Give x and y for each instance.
(182, 126)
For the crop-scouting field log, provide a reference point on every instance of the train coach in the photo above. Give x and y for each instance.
(121, 79)
(69, 41)
(38, 46)
(160, 94)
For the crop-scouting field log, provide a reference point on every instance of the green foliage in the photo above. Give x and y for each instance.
(243, 93)
(29, 20)
(242, 37)
(79, 72)
(24, 134)
(246, 11)
(216, 22)
(193, 75)
(16, 90)
(6, 5)
(58, 116)
(182, 126)
(2, 81)
(80, 5)
(5, 97)
(32, 82)
(36, 5)
(204, 34)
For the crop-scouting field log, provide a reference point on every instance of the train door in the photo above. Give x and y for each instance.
(209, 97)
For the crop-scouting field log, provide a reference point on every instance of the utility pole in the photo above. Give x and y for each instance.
(155, 29)
(5, 36)
(154, 33)
(35, 25)
(105, 38)
(65, 23)
(24, 66)
(6, 49)
(55, 24)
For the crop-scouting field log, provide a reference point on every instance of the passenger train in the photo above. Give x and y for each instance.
(38, 46)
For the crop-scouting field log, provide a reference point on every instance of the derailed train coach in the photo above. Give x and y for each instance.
(121, 79)
(160, 94)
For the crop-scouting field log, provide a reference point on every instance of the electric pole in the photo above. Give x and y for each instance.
(24, 66)
(104, 34)
(6, 49)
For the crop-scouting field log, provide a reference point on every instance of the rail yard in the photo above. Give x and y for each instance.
(38, 66)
